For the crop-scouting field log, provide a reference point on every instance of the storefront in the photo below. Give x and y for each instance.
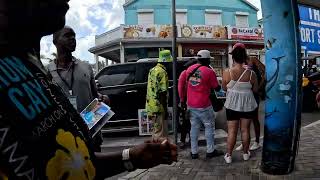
(218, 52)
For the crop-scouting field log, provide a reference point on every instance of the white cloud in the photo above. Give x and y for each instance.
(257, 3)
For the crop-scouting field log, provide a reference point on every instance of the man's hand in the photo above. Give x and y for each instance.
(104, 98)
(153, 153)
(183, 106)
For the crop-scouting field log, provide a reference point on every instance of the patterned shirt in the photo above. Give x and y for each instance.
(157, 83)
(41, 135)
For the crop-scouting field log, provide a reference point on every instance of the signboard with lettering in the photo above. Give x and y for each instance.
(245, 33)
(147, 31)
(203, 31)
(310, 28)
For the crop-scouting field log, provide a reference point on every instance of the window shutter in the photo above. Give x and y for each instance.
(242, 21)
(145, 18)
(181, 18)
(213, 19)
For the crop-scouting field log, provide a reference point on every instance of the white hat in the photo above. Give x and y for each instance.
(204, 54)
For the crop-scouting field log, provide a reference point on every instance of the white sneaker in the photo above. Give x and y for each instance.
(239, 148)
(255, 146)
(228, 158)
(246, 157)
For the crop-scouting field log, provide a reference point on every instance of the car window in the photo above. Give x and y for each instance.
(142, 71)
(117, 75)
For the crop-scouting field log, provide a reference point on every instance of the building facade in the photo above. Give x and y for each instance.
(213, 25)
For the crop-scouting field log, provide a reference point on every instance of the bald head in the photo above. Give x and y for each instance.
(65, 39)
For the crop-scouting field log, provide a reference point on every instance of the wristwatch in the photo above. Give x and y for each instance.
(126, 160)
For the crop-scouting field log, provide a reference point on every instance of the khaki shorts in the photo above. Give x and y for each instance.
(160, 125)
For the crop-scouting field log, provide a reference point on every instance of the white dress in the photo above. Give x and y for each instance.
(240, 95)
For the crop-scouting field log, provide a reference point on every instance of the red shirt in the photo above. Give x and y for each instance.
(200, 85)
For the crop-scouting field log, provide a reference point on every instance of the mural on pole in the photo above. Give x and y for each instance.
(283, 66)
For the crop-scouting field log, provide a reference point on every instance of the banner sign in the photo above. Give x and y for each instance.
(245, 33)
(203, 31)
(147, 31)
(310, 28)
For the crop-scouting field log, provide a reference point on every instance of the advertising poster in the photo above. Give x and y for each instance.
(146, 126)
(147, 31)
(96, 115)
(245, 33)
(203, 31)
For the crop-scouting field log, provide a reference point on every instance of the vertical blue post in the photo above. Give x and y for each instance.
(283, 67)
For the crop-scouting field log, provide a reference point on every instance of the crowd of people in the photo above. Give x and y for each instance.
(244, 84)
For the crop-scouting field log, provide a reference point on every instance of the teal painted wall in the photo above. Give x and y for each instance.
(162, 16)
(228, 18)
(196, 10)
(131, 17)
(196, 17)
(253, 22)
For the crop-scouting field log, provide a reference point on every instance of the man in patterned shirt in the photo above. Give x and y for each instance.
(157, 89)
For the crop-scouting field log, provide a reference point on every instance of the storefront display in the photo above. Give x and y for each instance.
(146, 126)
(245, 33)
(147, 31)
(203, 31)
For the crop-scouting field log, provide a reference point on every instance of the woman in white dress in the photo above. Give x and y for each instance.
(240, 84)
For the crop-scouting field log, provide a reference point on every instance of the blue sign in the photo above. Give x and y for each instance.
(310, 28)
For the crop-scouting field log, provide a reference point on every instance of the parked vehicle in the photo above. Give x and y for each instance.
(126, 86)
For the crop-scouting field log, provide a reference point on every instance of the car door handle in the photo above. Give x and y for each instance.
(132, 91)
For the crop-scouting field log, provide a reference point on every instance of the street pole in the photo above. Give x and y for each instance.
(174, 72)
(283, 66)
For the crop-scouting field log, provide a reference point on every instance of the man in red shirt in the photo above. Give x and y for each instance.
(201, 80)
(185, 126)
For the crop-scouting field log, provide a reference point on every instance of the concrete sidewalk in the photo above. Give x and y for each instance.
(307, 164)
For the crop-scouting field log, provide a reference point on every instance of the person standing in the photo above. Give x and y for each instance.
(42, 135)
(157, 95)
(240, 84)
(75, 77)
(201, 80)
(259, 69)
(182, 89)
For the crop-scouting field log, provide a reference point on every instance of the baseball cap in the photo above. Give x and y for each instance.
(204, 54)
(165, 56)
(237, 45)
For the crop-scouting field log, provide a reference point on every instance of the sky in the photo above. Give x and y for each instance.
(93, 17)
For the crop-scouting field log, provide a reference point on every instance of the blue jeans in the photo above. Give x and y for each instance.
(205, 116)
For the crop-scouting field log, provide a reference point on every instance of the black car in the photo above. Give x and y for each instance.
(126, 86)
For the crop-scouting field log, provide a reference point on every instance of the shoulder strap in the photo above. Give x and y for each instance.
(194, 71)
(244, 72)
(250, 76)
